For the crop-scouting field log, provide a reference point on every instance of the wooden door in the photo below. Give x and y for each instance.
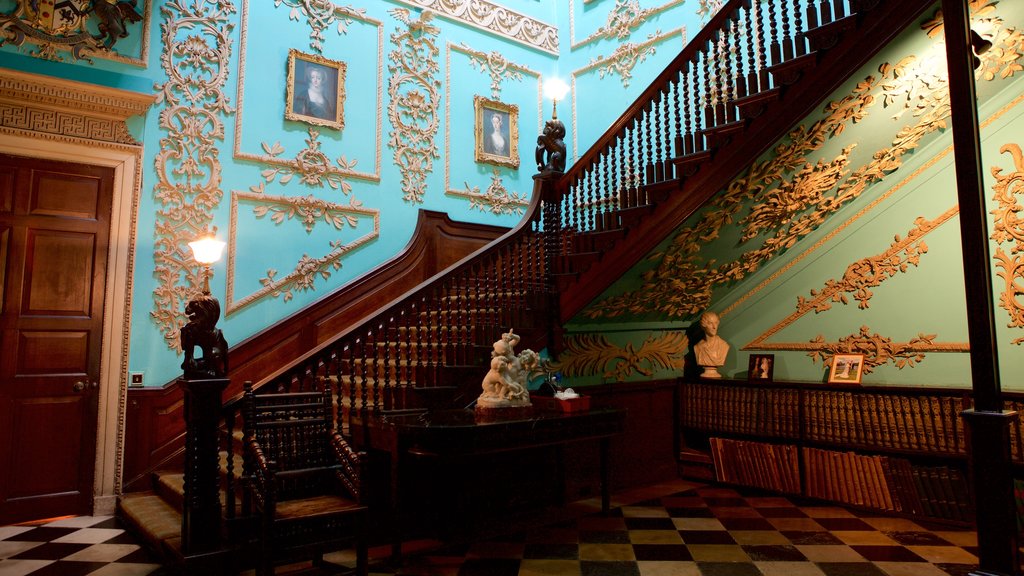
(54, 229)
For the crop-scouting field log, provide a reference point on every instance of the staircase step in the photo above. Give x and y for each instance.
(155, 521)
(720, 135)
(598, 240)
(581, 261)
(171, 487)
(630, 217)
(688, 164)
(828, 34)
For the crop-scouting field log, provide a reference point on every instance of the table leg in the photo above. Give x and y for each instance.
(605, 449)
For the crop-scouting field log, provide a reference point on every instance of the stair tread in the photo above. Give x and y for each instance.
(156, 519)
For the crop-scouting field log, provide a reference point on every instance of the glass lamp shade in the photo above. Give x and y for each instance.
(555, 88)
(207, 250)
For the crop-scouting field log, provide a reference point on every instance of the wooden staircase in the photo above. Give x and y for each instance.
(757, 69)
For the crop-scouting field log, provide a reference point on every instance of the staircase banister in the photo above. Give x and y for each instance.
(418, 292)
(706, 35)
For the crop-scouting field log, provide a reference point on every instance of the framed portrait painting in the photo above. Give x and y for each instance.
(846, 369)
(761, 368)
(496, 127)
(316, 90)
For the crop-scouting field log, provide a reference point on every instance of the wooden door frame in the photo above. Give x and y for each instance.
(75, 122)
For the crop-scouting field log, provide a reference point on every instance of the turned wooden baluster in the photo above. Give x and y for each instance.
(799, 36)
(775, 49)
(685, 145)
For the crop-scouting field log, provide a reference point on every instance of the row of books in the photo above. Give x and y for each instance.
(769, 466)
(1016, 431)
(773, 412)
(887, 483)
(928, 422)
(925, 423)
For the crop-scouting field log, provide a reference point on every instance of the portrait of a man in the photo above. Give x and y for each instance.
(497, 132)
(316, 90)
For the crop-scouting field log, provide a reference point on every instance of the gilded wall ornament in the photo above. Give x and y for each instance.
(593, 355)
(321, 15)
(1009, 229)
(877, 350)
(197, 49)
(311, 166)
(496, 19)
(56, 28)
(495, 65)
(496, 199)
(861, 276)
(308, 211)
(413, 89)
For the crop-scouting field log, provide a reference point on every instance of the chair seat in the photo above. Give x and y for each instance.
(324, 505)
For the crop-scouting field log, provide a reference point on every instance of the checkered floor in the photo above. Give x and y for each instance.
(95, 545)
(674, 529)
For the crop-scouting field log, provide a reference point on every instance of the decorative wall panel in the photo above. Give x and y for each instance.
(496, 19)
(594, 355)
(197, 48)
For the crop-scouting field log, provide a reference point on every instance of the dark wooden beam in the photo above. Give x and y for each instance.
(988, 422)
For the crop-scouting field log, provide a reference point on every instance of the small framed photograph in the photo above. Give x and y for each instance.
(316, 90)
(497, 132)
(761, 368)
(846, 369)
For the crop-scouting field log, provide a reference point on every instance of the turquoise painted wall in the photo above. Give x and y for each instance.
(839, 214)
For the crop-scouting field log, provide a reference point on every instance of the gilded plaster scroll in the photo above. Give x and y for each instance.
(907, 86)
(496, 199)
(856, 283)
(1008, 230)
(307, 164)
(197, 49)
(307, 211)
(310, 166)
(627, 55)
(414, 94)
(321, 15)
(878, 350)
(621, 21)
(594, 355)
(495, 65)
(496, 19)
(60, 29)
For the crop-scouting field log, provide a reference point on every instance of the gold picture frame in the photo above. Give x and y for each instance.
(316, 90)
(496, 128)
(846, 369)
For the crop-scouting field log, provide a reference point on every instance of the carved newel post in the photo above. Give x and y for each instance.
(550, 153)
(203, 382)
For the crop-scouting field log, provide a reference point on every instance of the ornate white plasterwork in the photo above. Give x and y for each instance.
(287, 161)
(308, 212)
(624, 17)
(496, 19)
(321, 14)
(496, 199)
(68, 108)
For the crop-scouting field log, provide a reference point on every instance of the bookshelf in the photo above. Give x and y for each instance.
(897, 449)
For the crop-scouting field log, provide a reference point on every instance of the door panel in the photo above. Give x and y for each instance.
(53, 246)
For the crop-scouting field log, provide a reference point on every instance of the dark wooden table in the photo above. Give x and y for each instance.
(462, 433)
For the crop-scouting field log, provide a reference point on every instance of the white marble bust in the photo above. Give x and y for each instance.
(710, 351)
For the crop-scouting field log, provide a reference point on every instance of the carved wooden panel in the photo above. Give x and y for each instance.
(51, 474)
(7, 179)
(67, 195)
(52, 352)
(58, 273)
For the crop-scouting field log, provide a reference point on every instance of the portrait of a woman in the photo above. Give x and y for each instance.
(496, 141)
(315, 90)
(496, 129)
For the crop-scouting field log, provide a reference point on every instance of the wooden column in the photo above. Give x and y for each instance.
(988, 423)
(201, 517)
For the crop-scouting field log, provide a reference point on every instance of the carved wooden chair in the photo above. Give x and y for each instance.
(305, 481)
